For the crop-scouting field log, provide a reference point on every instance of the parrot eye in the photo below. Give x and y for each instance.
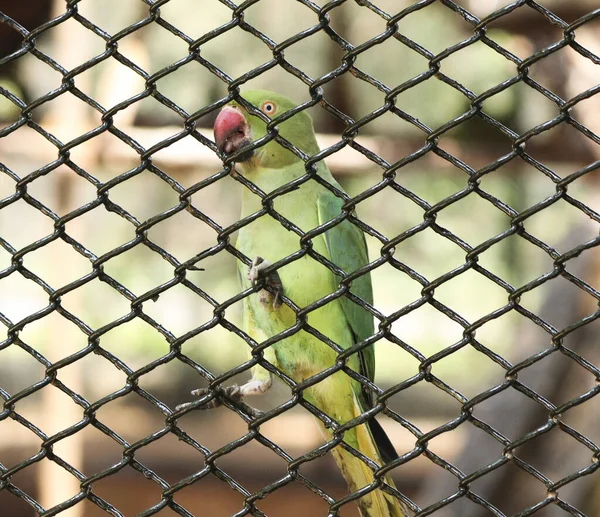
(268, 107)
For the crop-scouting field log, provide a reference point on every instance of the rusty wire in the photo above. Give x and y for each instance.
(222, 243)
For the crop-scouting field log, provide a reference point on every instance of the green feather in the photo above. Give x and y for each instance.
(348, 250)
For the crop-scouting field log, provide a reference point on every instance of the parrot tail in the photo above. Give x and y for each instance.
(358, 474)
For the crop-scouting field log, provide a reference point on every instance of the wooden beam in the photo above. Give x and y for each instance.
(188, 154)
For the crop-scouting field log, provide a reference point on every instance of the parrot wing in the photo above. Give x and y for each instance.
(348, 250)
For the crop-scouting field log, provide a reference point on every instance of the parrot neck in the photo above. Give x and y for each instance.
(268, 180)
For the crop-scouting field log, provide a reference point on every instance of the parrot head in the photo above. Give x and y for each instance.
(235, 128)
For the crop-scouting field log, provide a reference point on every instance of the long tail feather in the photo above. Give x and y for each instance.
(384, 445)
(358, 474)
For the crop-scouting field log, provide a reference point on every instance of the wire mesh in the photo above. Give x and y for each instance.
(430, 138)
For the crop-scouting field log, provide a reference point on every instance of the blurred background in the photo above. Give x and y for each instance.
(421, 333)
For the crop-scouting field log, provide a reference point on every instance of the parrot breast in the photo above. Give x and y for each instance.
(304, 280)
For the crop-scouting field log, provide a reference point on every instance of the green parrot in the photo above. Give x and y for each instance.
(304, 281)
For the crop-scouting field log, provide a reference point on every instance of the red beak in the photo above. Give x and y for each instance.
(231, 132)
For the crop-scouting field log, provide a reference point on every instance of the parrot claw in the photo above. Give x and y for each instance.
(231, 392)
(234, 393)
(258, 264)
(272, 280)
(202, 392)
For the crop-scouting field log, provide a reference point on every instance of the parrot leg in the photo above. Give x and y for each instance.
(234, 393)
(237, 393)
(273, 281)
(260, 382)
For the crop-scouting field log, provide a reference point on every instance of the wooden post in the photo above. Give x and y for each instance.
(70, 116)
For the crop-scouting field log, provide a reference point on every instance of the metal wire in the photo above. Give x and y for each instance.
(430, 137)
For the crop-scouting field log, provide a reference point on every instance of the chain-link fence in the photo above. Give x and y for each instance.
(479, 206)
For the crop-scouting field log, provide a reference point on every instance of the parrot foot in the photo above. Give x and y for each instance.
(234, 393)
(272, 280)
